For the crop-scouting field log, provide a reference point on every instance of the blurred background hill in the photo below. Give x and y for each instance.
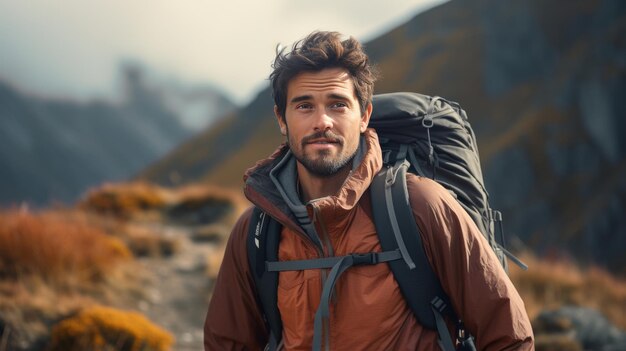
(54, 149)
(134, 192)
(543, 84)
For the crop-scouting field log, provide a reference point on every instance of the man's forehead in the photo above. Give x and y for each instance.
(329, 81)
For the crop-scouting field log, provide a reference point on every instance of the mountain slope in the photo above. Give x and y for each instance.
(205, 153)
(542, 82)
(54, 149)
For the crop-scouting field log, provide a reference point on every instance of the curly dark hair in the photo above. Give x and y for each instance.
(318, 51)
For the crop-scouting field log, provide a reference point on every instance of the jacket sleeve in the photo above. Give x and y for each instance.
(234, 321)
(479, 288)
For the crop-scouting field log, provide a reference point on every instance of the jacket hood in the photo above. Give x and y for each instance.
(265, 193)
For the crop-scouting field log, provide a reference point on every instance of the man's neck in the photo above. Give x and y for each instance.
(314, 187)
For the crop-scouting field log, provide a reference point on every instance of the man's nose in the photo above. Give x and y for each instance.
(323, 121)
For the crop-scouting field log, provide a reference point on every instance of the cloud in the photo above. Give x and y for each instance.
(73, 47)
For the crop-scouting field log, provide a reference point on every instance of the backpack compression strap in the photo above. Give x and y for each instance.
(419, 284)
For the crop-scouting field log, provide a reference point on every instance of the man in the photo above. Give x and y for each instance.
(316, 186)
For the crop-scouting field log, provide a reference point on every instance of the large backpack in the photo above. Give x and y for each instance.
(428, 136)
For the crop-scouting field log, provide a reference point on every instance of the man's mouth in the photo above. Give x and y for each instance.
(323, 141)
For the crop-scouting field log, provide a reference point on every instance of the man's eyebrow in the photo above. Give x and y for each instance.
(300, 98)
(338, 96)
(309, 97)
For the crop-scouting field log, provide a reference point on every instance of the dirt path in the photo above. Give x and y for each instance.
(179, 293)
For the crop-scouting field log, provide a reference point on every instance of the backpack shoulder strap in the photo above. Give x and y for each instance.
(419, 285)
(262, 245)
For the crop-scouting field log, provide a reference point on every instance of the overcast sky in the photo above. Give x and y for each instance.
(72, 48)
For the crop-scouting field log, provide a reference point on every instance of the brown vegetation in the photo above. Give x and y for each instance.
(55, 248)
(228, 203)
(58, 262)
(146, 201)
(125, 199)
(53, 263)
(549, 284)
(144, 241)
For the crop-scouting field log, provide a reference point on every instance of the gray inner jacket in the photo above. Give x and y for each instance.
(285, 177)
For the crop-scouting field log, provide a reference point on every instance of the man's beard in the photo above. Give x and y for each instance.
(322, 166)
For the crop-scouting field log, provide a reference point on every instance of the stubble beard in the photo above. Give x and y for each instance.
(324, 165)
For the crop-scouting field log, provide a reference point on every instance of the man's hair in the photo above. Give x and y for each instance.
(318, 51)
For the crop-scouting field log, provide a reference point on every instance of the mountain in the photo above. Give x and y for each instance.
(54, 149)
(543, 84)
(197, 106)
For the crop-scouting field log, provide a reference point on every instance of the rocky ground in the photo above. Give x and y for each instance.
(179, 291)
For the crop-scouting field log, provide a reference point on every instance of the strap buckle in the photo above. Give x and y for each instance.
(364, 258)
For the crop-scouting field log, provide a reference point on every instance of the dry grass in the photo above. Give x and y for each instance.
(144, 241)
(150, 202)
(56, 248)
(195, 196)
(136, 213)
(549, 284)
(102, 328)
(125, 199)
(55, 262)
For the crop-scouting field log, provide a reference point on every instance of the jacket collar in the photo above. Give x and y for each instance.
(263, 190)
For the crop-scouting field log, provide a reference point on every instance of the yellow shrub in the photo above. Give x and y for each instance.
(101, 328)
(125, 199)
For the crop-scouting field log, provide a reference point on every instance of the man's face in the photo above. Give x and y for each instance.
(323, 120)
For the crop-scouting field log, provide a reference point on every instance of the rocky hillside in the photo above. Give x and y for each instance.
(54, 149)
(542, 82)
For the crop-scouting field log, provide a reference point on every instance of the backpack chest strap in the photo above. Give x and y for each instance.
(338, 265)
(329, 262)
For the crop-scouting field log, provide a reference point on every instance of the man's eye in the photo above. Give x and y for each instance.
(339, 105)
(303, 107)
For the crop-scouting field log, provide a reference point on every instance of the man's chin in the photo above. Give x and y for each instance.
(324, 168)
(323, 149)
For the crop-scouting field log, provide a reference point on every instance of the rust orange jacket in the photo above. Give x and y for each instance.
(368, 311)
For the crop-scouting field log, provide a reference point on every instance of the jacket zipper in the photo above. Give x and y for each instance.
(325, 241)
(326, 244)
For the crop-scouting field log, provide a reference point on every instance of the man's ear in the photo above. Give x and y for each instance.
(281, 121)
(365, 119)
